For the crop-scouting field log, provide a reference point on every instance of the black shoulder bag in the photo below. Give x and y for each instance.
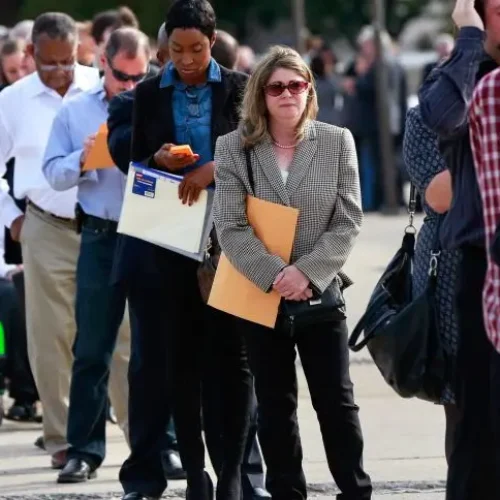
(321, 308)
(401, 331)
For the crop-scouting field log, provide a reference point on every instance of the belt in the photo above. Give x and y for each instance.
(98, 224)
(71, 223)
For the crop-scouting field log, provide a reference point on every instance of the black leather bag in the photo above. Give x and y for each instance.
(322, 308)
(401, 331)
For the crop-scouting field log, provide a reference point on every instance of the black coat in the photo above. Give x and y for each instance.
(152, 127)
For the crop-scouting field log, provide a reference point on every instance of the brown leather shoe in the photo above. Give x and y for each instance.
(59, 460)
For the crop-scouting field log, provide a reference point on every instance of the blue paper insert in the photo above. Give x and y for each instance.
(144, 185)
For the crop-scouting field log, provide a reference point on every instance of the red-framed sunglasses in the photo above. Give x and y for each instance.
(294, 87)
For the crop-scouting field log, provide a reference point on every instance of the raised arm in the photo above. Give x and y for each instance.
(446, 94)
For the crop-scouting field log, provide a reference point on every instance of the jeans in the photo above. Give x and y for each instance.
(100, 308)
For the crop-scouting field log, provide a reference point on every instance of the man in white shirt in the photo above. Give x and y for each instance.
(50, 244)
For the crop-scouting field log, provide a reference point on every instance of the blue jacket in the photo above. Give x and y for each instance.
(444, 104)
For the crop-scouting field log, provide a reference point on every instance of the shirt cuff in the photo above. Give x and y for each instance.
(470, 37)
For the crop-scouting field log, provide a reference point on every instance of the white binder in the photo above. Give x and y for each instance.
(153, 212)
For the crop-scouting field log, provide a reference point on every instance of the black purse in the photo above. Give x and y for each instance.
(321, 308)
(401, 331)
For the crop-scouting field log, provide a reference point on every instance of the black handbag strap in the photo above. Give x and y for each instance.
(249, 170)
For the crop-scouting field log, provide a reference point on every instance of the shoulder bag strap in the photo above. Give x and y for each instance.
(249, 170)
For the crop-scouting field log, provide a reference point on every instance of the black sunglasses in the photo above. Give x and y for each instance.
(125, 77)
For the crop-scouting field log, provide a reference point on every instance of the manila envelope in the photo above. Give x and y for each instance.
(275, 226)
(99, 156)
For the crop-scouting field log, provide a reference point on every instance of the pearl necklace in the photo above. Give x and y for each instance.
(282, 146)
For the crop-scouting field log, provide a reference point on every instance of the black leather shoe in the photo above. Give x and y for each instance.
(40, 443)
(20, 412)
(138, 496)
(172, 466)
(76, 471)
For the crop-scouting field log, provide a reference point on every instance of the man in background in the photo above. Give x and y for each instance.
(444, 47)
(87, 48)
(100, 307)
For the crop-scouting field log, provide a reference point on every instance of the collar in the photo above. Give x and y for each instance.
(170, 76)
(80, 82)
(99, 90)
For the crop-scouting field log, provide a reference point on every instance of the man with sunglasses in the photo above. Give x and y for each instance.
(27, 110)
(100, 306)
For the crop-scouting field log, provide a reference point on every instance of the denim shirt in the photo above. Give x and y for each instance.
(444, 104)
(192, 107)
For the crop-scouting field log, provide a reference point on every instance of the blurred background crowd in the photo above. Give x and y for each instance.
(337, 40)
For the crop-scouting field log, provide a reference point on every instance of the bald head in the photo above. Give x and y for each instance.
(162, 42)
(225, 49)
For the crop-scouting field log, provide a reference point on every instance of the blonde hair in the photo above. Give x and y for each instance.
(254, 114)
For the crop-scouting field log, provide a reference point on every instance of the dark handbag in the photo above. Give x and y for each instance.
(208, 268)
(321, 308)
(401, 331)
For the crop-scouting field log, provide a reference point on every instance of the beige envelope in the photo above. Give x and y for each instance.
(99, 156)
(232, 292)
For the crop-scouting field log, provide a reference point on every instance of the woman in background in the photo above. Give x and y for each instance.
(428, 172)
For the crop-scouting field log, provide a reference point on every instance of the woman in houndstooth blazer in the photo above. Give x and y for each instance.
(311, 166)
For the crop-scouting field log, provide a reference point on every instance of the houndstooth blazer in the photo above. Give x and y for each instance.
(323, 184)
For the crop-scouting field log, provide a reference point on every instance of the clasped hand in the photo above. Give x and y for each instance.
(292, 284)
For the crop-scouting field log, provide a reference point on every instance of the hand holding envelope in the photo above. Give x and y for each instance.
(98, 156)
(235, 294)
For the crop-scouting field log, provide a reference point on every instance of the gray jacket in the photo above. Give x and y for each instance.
(323, 184)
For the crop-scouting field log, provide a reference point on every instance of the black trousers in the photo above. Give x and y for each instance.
(185, 353)
(22, 388)
(324, 354)
(474, 464)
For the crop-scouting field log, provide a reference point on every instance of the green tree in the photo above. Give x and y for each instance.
(330, 17)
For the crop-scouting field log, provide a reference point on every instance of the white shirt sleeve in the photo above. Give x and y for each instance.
(8, 208)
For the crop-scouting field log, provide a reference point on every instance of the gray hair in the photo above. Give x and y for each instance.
(23, 30)
(367, 34)
(128, 40)
(56, 25)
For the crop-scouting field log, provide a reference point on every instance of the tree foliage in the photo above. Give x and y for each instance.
(332, 18)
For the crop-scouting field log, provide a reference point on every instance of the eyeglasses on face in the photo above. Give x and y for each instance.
(294, 87)
(68, 65)
(125, 77)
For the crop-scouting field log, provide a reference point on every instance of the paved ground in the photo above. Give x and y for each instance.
(404, 439)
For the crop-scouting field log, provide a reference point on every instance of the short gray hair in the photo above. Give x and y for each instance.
(23, 30)
(56, 25)
(128, 40)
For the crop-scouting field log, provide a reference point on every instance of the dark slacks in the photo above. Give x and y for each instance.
(325, 360)
(186, 353)
(474, 465)
(100, 307)
(22, 388)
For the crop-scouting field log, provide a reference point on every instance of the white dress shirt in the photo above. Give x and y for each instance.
(27, 110)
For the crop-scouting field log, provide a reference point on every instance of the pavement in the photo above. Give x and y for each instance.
(404, 439)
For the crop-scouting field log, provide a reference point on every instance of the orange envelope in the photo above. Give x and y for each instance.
(232, 292)
(99, 156)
